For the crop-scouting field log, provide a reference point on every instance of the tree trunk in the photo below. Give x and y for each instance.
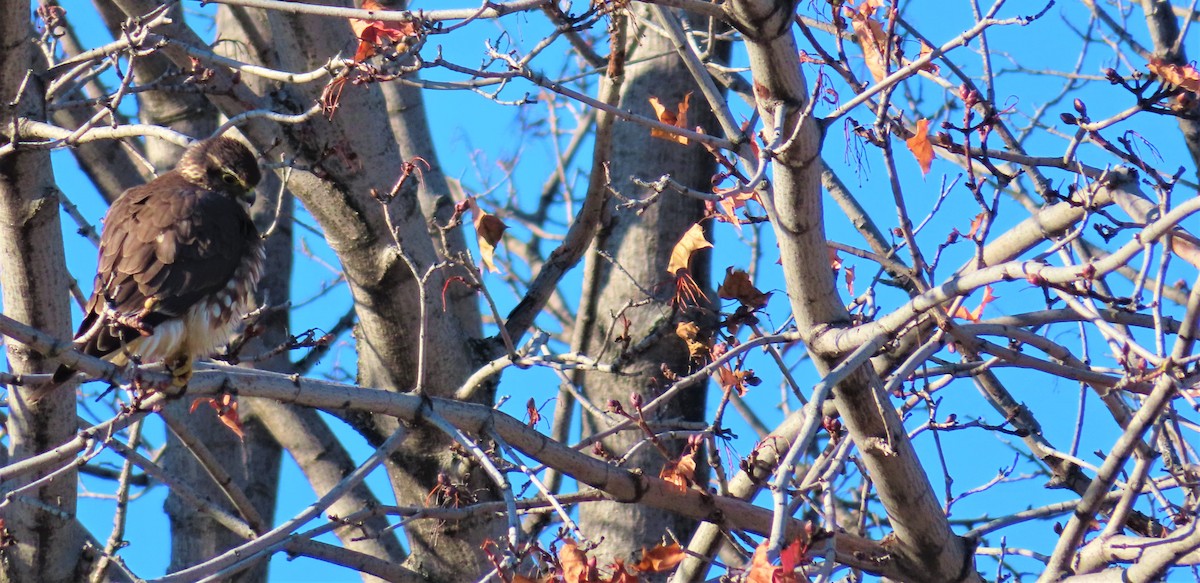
(33, 276)
(640, 245)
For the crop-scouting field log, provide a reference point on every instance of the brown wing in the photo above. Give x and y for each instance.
(169, 241)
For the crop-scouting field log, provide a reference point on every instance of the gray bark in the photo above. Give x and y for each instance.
(640, 247)
(47, 546)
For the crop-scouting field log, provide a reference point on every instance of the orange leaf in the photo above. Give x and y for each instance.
(975, 224)
(620, 575)
(737, 286)
(692, 241)
(871, 37)
(850, 280)
(977, 313)
(920, 147)
(660, 559)
(227, 411)
(965, 314)
(677, 118)
(489, 230)
(680, 474)
(1184, 76)
(761, 569)
(574, 563)
(730, 204)
(930, 66)
(835, 262)
(372, 33)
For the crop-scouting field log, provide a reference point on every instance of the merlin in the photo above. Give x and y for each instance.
(179, 261)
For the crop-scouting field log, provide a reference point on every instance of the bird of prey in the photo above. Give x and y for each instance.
(179, 261)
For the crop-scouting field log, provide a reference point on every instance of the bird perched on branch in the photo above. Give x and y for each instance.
(179, 261)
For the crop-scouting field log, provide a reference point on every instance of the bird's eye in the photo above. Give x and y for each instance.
(229, 179)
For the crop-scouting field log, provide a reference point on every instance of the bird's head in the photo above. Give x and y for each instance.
(222, 165)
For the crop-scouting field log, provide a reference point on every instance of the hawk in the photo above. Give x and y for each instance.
(179, 261)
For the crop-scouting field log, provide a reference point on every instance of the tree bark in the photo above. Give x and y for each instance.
(33, 276)
(636, 248)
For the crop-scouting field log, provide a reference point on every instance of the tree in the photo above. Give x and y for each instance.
(543, 365)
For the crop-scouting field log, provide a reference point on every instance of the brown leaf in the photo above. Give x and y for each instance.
(677, 118)
(920, 147)
(574, 563)
(930, 66)
(689, 332)
(729, 379)
(692, 241)
(1184, 76)
(849, 274)
(660, 559)
(871, 37)
(975, 224)
(489, 230)
(731, 203)
(737, 286)
(682, 473)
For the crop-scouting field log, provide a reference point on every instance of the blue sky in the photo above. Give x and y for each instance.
(473, 134)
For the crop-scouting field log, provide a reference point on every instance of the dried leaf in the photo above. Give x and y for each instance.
(227, 412)
(731, 203)
(730, 379)
(660, 559)
(677, 118)
(835, 262)
(1185, 76)
(682, 473)
(792, 556)
(574, 563)
(871, 37)
(372, 33)
(977, 313)
(975, 224)
(620, 575)
(761, 569)
(693, 240)
(929, 67)
(737, 286)
(920, 147)
(489, 230)
(849, 274)
(689, 332)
